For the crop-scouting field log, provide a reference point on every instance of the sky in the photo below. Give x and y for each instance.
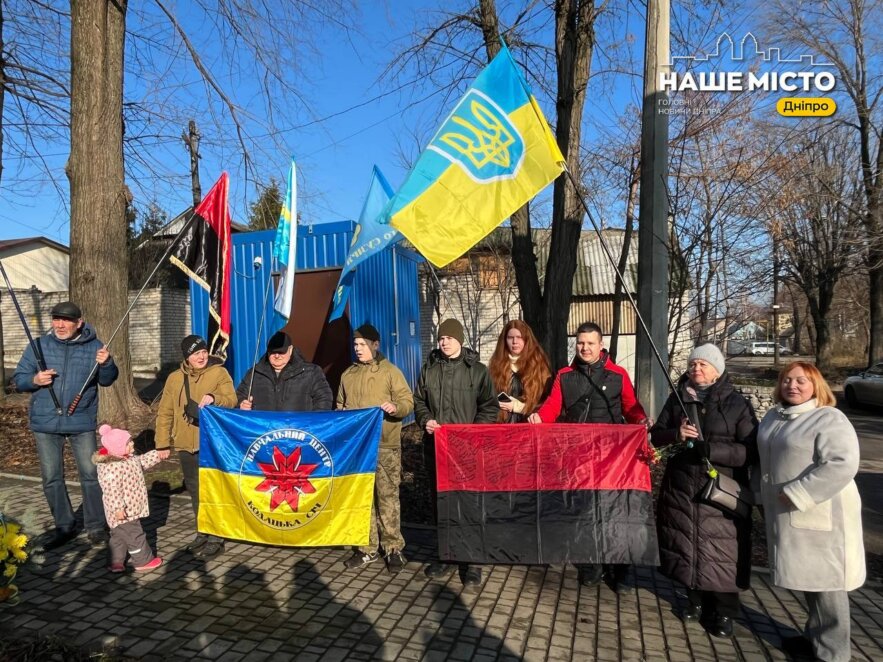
(352, 116)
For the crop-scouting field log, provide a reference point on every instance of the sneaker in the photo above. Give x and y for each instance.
(361, 559)
(210, 550)
(196, 544)
(98, 537)
(395, 561)
(56, 539)
(438, 569)
(116, 567)
(470, 575)
(150, 565)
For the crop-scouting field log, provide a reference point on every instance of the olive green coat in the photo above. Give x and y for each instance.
(364, 385)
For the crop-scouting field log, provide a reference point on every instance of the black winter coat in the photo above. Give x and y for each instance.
(455, 390)
(300, 386)
(700, 546)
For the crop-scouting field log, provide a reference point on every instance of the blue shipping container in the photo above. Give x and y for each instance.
(384, 293)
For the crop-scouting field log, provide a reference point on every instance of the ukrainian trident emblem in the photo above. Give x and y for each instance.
(479, 137)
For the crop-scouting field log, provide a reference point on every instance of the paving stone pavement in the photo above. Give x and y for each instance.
(259, 603)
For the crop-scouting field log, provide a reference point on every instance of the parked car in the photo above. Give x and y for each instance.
(866, 388)
(767, 349)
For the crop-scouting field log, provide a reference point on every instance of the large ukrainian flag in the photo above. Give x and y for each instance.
(492, 154)
(284, 478)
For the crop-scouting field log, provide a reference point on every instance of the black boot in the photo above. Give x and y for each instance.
(590, 574)
(470, 575)
(692, 613)
(720, 627)
(55, 539)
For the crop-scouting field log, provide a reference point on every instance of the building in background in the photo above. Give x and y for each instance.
(36, 263)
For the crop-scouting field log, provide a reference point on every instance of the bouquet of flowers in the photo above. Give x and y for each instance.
(13, 554)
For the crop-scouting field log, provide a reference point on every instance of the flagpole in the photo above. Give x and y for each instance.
(76, 401)
(257, 342)
(627, 292)
(35, 348)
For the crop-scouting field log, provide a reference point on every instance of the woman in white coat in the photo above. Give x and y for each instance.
(809, 455)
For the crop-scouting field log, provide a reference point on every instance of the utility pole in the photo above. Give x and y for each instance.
(653, 229)
(776, 295)
(191, 140)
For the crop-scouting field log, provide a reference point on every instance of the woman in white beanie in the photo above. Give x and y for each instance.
(809, 455)
(706, 550)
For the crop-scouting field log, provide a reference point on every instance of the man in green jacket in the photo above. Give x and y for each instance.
(372, 381)
(454, 387)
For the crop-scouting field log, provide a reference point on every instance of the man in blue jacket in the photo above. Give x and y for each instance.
(71, 349)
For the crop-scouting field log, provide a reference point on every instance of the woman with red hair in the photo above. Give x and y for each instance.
(520, 371)
(809, 456)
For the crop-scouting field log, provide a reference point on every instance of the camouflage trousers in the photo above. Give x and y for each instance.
(386, 514)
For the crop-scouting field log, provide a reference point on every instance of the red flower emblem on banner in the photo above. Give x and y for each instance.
(286, 479)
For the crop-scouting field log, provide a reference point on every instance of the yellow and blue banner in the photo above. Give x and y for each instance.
(371, 237)
(492, 154)
(285, 252)
(300, 479)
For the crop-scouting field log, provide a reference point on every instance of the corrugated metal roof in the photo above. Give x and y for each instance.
(594, 274)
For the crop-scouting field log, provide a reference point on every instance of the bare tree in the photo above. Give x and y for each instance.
(815, 216)
(457, 38)
(99, 196)
(849, 34)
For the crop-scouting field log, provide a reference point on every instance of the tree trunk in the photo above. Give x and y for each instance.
(623, 260)
(2, 98)
(574, 40)
(523, 258)
(191, 140)
(875, 300)
(99, 262)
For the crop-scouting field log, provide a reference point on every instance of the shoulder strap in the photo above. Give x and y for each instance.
(187, 387)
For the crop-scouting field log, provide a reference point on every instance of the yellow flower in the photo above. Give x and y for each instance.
(3, 552)
(10, 571)
(20, 554)
(12, 527)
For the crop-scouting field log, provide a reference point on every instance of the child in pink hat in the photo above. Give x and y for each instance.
(121, 476)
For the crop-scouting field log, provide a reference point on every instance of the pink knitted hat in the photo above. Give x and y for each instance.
(115, 440)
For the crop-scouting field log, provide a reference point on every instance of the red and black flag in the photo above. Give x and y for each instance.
(204, 255)
(544, 494)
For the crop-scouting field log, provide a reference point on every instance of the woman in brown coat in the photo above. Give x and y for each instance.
(200, 382)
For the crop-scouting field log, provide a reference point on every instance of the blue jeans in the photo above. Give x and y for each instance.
(50, 447)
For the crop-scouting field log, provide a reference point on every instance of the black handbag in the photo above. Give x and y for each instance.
(720, 491)
(191, 407)
(726, 494)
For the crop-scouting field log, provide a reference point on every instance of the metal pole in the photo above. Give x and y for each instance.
(257, 342)
(627, 292)
(76, 401)
(35, 348)
(653, 259)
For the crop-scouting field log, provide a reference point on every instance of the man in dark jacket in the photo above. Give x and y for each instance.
(71, 349)
(593, 389)
(284, 381)
(454, 387)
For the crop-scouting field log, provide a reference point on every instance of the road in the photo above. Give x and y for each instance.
(868, 423)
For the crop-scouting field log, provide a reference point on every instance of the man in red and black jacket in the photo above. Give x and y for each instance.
(593, 389)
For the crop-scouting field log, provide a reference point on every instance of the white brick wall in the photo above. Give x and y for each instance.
(158, 322)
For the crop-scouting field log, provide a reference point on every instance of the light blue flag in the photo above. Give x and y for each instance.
(371, 237)
(285, 253)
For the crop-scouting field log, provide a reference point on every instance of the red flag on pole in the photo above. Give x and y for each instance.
(204, 254)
